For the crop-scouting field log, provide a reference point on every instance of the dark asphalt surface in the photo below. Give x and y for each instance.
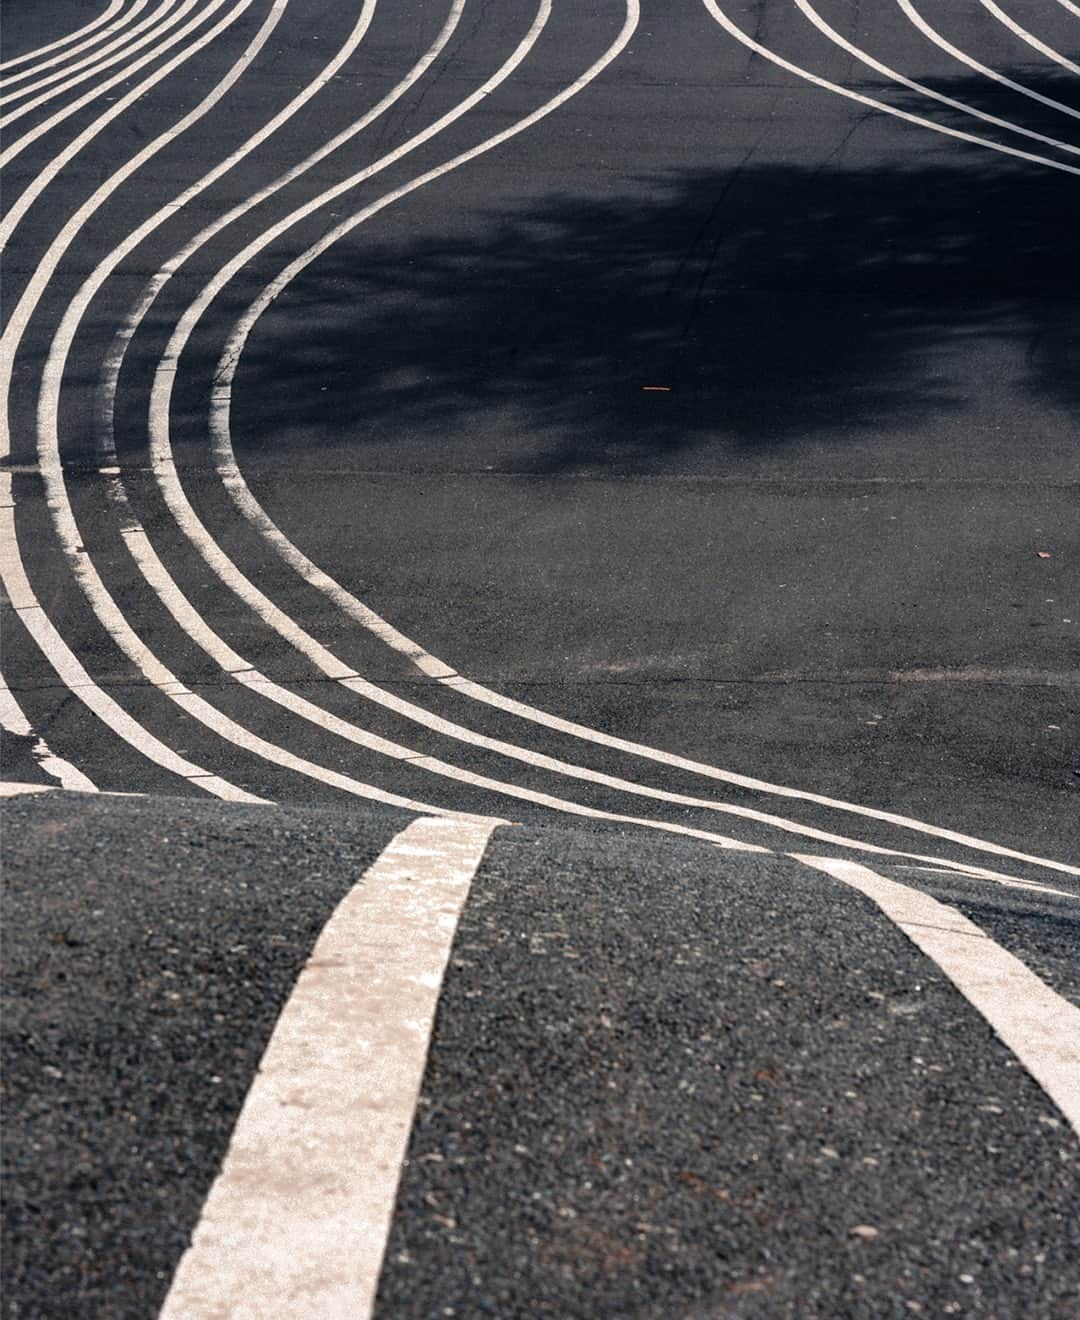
(836, 551)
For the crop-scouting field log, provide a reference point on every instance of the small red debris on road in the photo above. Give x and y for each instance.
(657, 389)
(1044, 554)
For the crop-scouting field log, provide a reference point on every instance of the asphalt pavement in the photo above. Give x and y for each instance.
(644, 431)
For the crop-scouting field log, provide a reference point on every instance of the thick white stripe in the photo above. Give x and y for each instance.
(38, 52)
(296, 1223)
(10, 79)
(811, 13)
(1040, 1027)
(121, 47)
(933, 35)
(1028, 37)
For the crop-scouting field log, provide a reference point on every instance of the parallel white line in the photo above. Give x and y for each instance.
(806, 8)
(16, 211)
(90, 65)
(1073, 9)
(13, 720)
(733, 29)
(104, 606)
(1040, 1026)
(296, 1223)
(39, 51)
(57, 652)
(10, 79)
(933, 35)
(1029, 38)
(74, 676)
(233, 479)
(243, 672)
(114, 360)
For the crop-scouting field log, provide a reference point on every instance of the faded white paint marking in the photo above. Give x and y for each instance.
(21, 790)
(296, 1223)
(1040, 1027)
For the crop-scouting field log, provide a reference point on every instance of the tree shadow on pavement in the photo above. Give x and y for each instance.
(778, 305)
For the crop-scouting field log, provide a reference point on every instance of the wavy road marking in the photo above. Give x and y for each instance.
(158, 22)
(15, 212)
(39, 51)
(1040, 1027)
(13, 720)
(73, 674)
(933, 35)
(240, 669)
(83, 45)
(807, 9)
(733, 29)
(114, 360)
(47, 637)
(1029, 38)
(296, 1223)
(234, 481)
(102, 603)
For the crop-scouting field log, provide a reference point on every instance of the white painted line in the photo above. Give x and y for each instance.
(18, 208)
(64, 57)
(22, 790)
(114, 360)
(75, 677)
(296, 1223)
(1028, 37)
(39, 52)
(822, 26)
(733, 29)
(14, 721)
(1040, 1027)
(113, 51)
(245, 501)
(933, 35)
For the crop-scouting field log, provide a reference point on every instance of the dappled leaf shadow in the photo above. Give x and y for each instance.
(779, 305)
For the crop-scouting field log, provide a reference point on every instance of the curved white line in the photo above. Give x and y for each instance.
(83, 45)
(39, 51)
(733, 29)
(1029, 38)
(14, 721)
(159, 675)
(67, 665)
(436, 668)
(1037, 1024)
(808, 10)
(1073, 9)
(119, 48)
(114, 359)
(286, 627)
(15, 213)
(933, 35)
